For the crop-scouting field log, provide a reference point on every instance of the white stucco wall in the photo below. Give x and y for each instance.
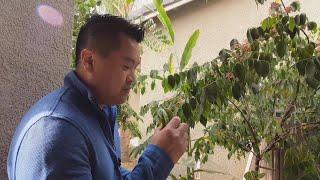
(34, 57)
(219, 21)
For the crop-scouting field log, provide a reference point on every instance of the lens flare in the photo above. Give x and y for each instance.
(50, 15)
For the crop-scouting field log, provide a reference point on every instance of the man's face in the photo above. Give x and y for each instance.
(114, 75)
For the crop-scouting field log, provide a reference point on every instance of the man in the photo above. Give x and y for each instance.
(71, 133)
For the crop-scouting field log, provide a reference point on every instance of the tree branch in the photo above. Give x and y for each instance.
(253, 134)
(262, 167)
(287, 132)
(277, 139)
(164, 99)
(273, 104)
(291, 106)
(241, 145)
(305, 34)
(284, 7)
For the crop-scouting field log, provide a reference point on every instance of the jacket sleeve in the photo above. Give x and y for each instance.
(53, 149)
(154, 164)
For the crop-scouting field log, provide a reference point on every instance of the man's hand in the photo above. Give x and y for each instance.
(173, 139)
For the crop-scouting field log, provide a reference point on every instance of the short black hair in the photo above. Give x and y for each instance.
(101, 32)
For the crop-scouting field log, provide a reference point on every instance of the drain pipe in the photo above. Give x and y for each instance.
(247, 169)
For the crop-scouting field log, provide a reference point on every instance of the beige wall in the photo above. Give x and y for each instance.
(219, 21)
(34, 57)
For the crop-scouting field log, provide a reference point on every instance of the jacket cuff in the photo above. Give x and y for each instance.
(161, 161)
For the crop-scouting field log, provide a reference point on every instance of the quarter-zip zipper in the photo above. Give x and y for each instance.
(109, 137)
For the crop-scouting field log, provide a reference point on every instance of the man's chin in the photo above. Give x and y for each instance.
(122, 100)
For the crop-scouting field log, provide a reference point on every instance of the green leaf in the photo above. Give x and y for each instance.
(164, 19)
(163, 116)
(170, 64)
(153, 74)
(173, 177)
(310, 68)
(211, 92)
(254, 33)
(261, 175)
(284, 20)
(186, 110)
(165, 85)
(99, 2)
(295, 5)
(201, 101)
(303, 19)
(153, 84)
(188, 49)
(255, 88)
(171, 81)
(129, 2)
(301, 66)
(233, 44)
(236, 91)
(143, 90)
(249, 37)
(265, 56)
(280, 28)
(312, 82)
(316, 61)
(292, 24)
(297, 20)
(267, 23)
(253, 175)
(191, 76)
(262, 68)
(139, 149)
(260, 1)
(170, 114)
(282, 48)
(309, 49)
(224, 55)
(255, 46)
(177, 79)
(317, 76)
(193, 103)
(312, 26)
(239, 71)
(203, 120)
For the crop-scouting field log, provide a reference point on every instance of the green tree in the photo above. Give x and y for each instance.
(256, 96)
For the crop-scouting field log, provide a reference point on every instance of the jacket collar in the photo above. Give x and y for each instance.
(72, 80)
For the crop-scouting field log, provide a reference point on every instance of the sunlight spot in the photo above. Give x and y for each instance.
(50, 15)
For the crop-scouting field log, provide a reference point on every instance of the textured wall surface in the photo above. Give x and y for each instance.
(35, 45)
(219, 21)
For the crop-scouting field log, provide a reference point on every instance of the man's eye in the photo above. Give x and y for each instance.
(126, 67)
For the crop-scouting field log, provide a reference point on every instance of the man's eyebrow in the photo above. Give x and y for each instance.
(132, 60)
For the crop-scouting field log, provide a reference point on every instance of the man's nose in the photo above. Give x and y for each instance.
(131, 78)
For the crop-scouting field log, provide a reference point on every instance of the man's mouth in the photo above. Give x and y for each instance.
(127, 90)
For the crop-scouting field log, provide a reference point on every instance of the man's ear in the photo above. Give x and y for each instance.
(86, 60)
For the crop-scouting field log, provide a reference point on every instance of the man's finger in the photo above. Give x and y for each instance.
(186, 135)
(183, 128)
(157, 130)
(174, 123)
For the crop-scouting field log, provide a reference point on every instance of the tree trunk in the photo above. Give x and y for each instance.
(257, 163)
(278, 155)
